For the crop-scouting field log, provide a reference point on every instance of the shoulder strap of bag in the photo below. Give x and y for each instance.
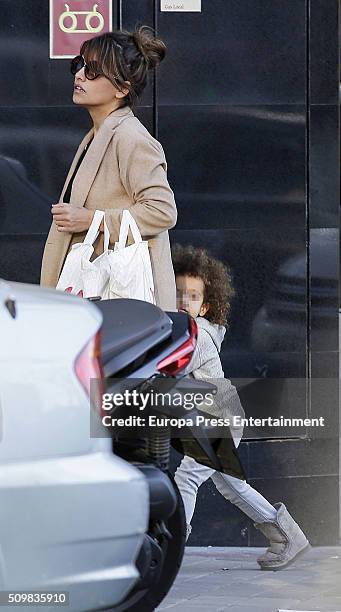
(93, 230)
(127, 222)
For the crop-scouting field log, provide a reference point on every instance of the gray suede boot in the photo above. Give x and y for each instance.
(287, 540)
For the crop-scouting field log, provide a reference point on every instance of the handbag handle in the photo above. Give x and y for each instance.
(93, 230)
(127, 222)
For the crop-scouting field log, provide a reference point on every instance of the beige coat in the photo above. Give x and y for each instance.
(125, 167)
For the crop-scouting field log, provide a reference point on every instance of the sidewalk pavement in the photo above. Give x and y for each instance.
(215, 579)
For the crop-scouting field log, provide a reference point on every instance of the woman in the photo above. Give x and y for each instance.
(118, 164)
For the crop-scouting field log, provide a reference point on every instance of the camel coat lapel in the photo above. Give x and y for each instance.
(87, 172)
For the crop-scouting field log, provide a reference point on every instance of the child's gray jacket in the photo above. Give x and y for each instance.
(206, 363)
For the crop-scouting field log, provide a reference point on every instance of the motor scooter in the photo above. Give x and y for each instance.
(144, 352)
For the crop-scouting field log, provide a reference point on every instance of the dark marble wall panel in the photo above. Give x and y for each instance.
(137, 13)
(233, 52)
(324, 284)
(325, 364)
(236, 167)
(293, 458)
(134, 14)
(324, 392)
(24, 44)
(324, 244)
(324, 51)
(324, 166)
(325, 403)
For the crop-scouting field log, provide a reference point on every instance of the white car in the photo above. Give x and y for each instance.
(72, 515)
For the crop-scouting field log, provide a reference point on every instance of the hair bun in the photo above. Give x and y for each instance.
(152, 49)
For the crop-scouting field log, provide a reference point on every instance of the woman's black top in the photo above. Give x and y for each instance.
(67, 194)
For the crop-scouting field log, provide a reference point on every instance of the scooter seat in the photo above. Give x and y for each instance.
(129, 324)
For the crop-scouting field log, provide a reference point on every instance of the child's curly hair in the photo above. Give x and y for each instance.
(217, 279)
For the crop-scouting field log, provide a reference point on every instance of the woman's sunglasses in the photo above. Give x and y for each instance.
(92, 69)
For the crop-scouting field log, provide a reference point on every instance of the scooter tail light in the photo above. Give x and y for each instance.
(179, 359)
(88, 366)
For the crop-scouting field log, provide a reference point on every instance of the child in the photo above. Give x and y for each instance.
(204, 290)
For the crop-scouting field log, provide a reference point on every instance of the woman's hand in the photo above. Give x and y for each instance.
(71, 219)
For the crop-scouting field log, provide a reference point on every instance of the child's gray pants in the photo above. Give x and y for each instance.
(190, 475)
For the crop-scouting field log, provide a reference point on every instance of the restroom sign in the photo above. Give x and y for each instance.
(73, 21)
(180, 6)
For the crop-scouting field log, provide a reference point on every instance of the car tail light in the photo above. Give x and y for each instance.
(88, 366)
(180, 358)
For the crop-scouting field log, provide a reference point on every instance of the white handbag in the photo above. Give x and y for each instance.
(125, 272)
(131, 274)
(83, 277)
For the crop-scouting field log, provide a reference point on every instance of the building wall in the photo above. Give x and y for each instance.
(246, 107)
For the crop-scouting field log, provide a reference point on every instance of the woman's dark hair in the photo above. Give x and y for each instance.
(126, 56)
(217, 279)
